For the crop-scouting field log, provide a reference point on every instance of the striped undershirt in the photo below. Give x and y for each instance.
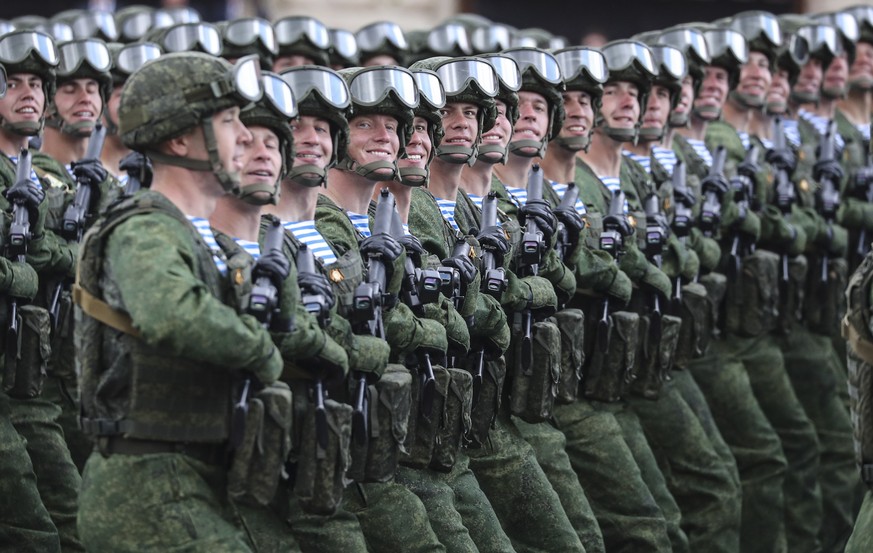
(202, 226)
(361, 223)
(821, 126)
(306, 232)
(701, 150)
(560, 189)
(864, 129)
(644, 161)
(792, 132)
(744, 138)
(613, 184)
(251, 248)
(447, 208)
(33, 177)
(666, 157)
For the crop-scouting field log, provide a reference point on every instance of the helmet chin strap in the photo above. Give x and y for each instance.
(492, 153)
(707, 113)
(370, 171)
(650, 134)
(414, 176)
(452, 154)
(747, 101)
(522, 147)
(308, 175)
(776, 108)
(574, 143)
(621, 134)
(804, 97)
(861, 83)
(82, 129)
(834, 93)
(260, 193)
(23, 128)
(678, 120)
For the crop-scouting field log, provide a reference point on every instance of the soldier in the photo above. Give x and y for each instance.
(382, 43)
(301, 41)
(159, 432)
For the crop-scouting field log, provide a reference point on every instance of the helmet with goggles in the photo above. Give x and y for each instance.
(273, 111)
(188, 37)
(540, 73)
(381, 90)
(534, 37)
(323, 93)
(448, 39)
(691, 42)
(248, 36)
(727, 49)
(35, 53)
(431, 99)
(509, 82)
(864, 16)
(847, 27)
(303, 36)
(583, 69)
(629, 61)
(383, 38)
(2, 82)
(127, 58)
(761, 30)
(58, 30)
(469, 80)
(135, 22)
(181, 91)
(343, 51)
(82, 59)
(672, 70)
(179, 14)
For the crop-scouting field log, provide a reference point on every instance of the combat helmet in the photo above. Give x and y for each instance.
(126, 58)
(188, 37)
(135, 22)
(448, 39)
(343, 51)
(509, 82)
(540, 73)
(583, 69)
(383, 38)
(248, 36)
(629, 61)
(864, 17)
(178, 92)
(323, 93)
(303, 36)
(82, 59)
(33, 52)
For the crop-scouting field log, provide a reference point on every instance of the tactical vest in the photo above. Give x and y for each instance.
(856, 331)
(347, 272)
(128, 387)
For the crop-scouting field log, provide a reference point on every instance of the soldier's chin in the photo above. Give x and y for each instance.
(678, 120)
(865, 82)
(776, 108)
(708, 113)
(834, 92)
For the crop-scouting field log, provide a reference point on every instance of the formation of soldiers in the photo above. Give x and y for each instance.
(279, 287)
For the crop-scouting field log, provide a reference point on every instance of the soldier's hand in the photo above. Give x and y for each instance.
(782, 159)
(23, 281)
(268, 369)
(29, 194)
(539, 212)
(91, 171)
(332, 362)
(572, 221)
(830, 169)
(467, 270)
(316, 284)
(274, 265)
(369, 354)
(414, 249)
(384, 247)
(137, 164)
(493, 240)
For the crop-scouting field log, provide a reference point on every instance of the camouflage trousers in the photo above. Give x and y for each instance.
(57, 478)
(325, 534)
(763, 361)
(265, 528)
(460, 514)
(529, 509)
(813, 367)
(635, 437)
(861, 540)
(698, 478)
(157, 503)
(25, 524)
(629, 518)
(550, 447)
(755, 445)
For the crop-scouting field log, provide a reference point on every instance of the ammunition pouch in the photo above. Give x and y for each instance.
(389, 402)
(698, 324)
(654, 358)
(792, 294)
(424, 427)
(484, 411)
(62, 361)
(823, 315)
(535, 388)
(24, 373)
(751, 301)
(571, 323)
(609, 371)
(259, 460)
(455, 423)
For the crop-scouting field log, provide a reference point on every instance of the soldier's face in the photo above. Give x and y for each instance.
(621, 104)
(500, 134)
(313, 144)
(231, 137)
(461, 125)
(419, 146)
(837, 74)
(533, 118)
(381, 59)
(777, 95)
(809, 80)
(686, 96)
(24, 100)
(579, 114)
(78, 101)
(755, 78)
(113, 103)
(373, 138)
(261, 158)
(284, 62)
(861, 71)
(657, 108)
(713, 90)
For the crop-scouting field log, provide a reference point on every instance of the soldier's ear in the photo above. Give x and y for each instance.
(181, 145)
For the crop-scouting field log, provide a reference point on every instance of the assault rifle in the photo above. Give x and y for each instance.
(683, 218)
(16, 250)
(616, 228)
(656, 238)
(713, 187)
(743, 186)
(317, 305)
(564, 244)
(532, 250)
(827, 196)
(137, 175)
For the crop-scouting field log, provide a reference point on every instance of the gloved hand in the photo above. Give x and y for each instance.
(533, 292)
(316, 284)
(828, 169)
(274, 265)
(540, 212)
(494, 240)
(138, 165)
(457, 331)
(383, 247)
(29, 194)
(490, 328)
(467, 270)
(655, 280)
(414, 249)
(368, 354)
(572, 221)
(89, 171)
(782, 159)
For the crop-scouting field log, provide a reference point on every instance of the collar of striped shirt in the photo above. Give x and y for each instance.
(205, 231)
(361, 222)
(305, 232)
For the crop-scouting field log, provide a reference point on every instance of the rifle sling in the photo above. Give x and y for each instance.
(103, 312)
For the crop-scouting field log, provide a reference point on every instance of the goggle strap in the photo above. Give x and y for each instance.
(187, 163)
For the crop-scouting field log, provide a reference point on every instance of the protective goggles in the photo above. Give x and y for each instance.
(798, 50)
(755, 25)
(343, 43)
(17, 46)
(292, 29)
(136, 25)
(844, 22)
(491, 39)
(279, 96)
(178, 15)
(459, 73)
(506, 69)
(326, 83)
(727, 42)
(449, 38)
(539, 61)
(863, 14)
(690, 41)
(243, 32)
(821, 40)
(90, 51)
(371, 86)
(2, 82)
(523, 41)
(58, 30)
(576, 61)
(6, 27)
(625, 54)
(190, 36)
(92, 24)
(374, 36)
(133, 56)
(670, 62)
(430, 88)
(243, 81)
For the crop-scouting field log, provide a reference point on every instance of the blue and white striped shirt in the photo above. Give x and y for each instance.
(361, 223)
(666, 157)
(306, 232)
(864, 129)
(202, 226)
(251, 248)
(645, 161)
(699, 147)
(821, 126)
(613, 184)
(744, 138)
(33, 177)
(447, 208)
(560, 189)
(792, 132)
(517, 195)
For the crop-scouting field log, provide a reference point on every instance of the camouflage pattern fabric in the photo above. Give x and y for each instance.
(324, 534)
(861, 539)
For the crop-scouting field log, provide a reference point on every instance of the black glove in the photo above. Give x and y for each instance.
(414, 249)
(572, 221)
(494, 240)
(715, 183)
(465, 266)
(139, 166)
(315, 284)
(274, 265)
(89, 171)
(383, 247)
(828, 169)
(540, 212)
(782, 159)
(29, 194)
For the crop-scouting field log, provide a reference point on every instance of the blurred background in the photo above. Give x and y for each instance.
(585, 21)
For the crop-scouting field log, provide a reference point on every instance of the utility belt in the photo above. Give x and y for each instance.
(823, 315)
(610, 344)
(751, 303)
(211, 454)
